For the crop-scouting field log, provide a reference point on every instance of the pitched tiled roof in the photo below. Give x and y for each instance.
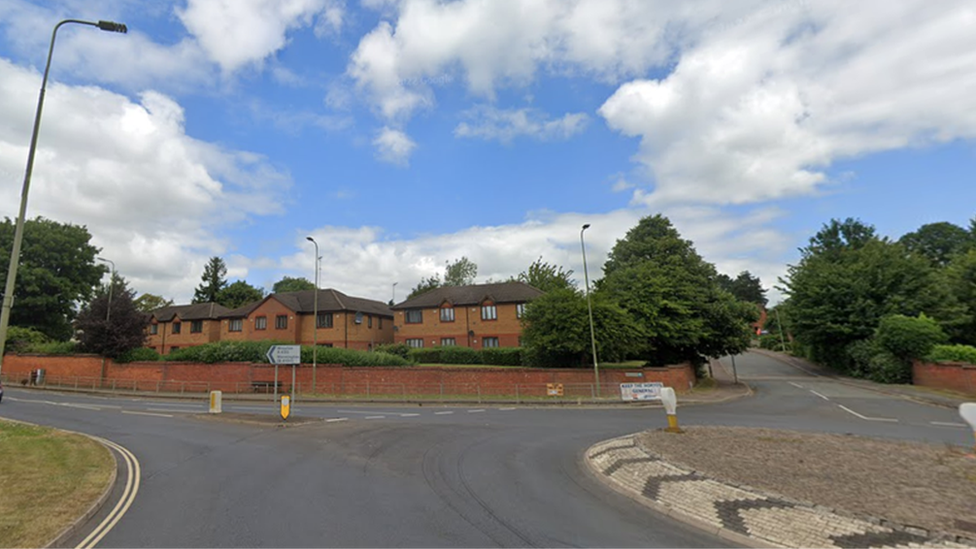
(331, 300)
(503, 292)
(195, 311)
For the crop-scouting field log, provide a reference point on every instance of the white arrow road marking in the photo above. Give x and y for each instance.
(848, 410)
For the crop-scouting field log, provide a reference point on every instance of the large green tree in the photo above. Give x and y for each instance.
(461, 272)
(847, 280)
(938, 242)
(214, 280)
(238, 294)
(671, 292)
(148, 303)
(290, 284)
(744, 287)
(546, 277)
(960, 278)
(57, 273)
(111, 328)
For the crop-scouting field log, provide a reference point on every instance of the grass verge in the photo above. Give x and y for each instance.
(48, 478)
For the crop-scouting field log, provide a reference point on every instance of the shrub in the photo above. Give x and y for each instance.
(861, 353)
(399, 349)
(953, 353)
(459, 355)
(502, 357)
(225, 351)
(52, 348)
(139, 354)
(425, 356)
(907, 337)
(350, 357)
(885, 367)
(19, 339)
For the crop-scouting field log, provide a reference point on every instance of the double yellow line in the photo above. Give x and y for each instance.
(133, 476)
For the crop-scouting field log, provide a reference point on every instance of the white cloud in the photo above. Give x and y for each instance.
(487, 122)
(394, 146)
(154, 198)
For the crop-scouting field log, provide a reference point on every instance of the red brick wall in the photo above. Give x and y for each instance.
(233, 377)
(954, 376)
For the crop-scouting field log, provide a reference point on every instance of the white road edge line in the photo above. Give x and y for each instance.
(509, 409)
(848, 410)
(335, 419)
(128, 496)
(409, 415)
(443, 413)
(145, 413)
(374, 417)
(820, 395)
(175, 411)
(948, 424)
(797, 385)
(476, 411)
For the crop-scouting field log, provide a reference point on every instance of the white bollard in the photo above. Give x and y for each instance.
(215, 401)
(968, 412)
(670, 402)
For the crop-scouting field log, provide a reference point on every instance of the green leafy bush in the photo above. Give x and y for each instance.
(19, 339)
(885, 367)
(426, 356)
(953, 353)
(773, 342)
(257, 351)
(460, 355)
(861, 353)
(502, 357)
(52, 348)
(350, 357)
(909, 337)
(139, 354)
(399, 349)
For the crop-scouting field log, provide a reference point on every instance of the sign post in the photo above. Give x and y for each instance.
(285, 354)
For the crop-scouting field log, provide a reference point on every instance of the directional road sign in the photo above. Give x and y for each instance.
(285, 354)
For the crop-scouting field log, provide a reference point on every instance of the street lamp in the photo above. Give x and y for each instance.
(111, 282)
(589, 306)
(8, 295)
(394, 293)
(315, 313)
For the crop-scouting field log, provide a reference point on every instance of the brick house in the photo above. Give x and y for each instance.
(343, 321)
(478, 316)
(177, 326)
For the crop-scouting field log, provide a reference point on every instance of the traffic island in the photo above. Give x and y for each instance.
(269, 420)
(853, 498)
(50, 482)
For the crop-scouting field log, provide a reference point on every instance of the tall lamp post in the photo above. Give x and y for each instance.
(394, 293)
(589, 307)
(111, 282)
(315, 309)
(8, 294)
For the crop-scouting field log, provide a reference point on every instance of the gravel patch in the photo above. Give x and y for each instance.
(913, 484)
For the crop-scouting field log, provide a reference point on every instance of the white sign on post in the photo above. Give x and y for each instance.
(641, 391)
(285, 354)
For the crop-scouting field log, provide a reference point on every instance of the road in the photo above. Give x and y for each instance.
(429, 476)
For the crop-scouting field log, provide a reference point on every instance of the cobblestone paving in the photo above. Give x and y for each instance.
(744, 511)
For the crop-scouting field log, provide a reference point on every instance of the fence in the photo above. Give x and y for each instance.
(349, 390)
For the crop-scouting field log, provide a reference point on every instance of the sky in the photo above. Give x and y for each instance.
(402, 135)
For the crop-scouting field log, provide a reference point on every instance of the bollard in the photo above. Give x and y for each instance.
(968, 412)
(670, 402)
(215, 402)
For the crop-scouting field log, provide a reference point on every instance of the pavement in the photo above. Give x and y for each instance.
(430, 476)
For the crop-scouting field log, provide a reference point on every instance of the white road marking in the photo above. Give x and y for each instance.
(128, 496)
(260, 408)
(508, 409)
(797, 385)
(82, 406)
(174, 411)
(949, 424)
(442, 413)
(145, 413)
(820, 395)
(360, 412)
(475, 411)
(848, 410)
(335, 419)
(409, 415)
(374, 417)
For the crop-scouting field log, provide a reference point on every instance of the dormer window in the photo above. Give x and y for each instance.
(447, 313)
(488, 311)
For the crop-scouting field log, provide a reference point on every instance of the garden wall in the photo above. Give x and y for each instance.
(954, 376)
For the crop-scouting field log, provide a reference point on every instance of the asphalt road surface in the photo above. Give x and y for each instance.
(429, 476)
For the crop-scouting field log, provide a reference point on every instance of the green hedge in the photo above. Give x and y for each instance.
(463, 355)
(139, 354)
(953, 353)
(909, 337)
(460, 355)
(399, 349)
(511, 356)
(350, 357)
(257, 351)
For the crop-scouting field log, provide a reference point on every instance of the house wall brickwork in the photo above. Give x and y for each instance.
(468, 328)
(954, 376)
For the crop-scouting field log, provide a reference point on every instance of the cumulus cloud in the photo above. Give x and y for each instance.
(154, 198)
(394, 146)
(488, 123)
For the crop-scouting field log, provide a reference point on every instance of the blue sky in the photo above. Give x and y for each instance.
(405, 134)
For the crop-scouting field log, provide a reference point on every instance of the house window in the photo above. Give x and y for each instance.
(174, 348)
(323, 320)
(176, 327)
(448, 342)
(153, 329)
(261, 323)
(447, 314)
(415, 316)
(415, 343)
(281, 322)
(236, 325)
(488, 312)
(487, 342)
(369, 321)
(196, 326)
(520, 310)
(359, 317)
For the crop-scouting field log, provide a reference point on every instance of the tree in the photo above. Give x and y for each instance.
(460, 273)
(960, 278)
(213, 281)
(148, 303)
(557, 330)
(57, 273)
(938, 242)
(111, 330)
(289, 284)
(744, 287)
(425, 285)
(546, 277)
(238, 294)
(671, 293)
